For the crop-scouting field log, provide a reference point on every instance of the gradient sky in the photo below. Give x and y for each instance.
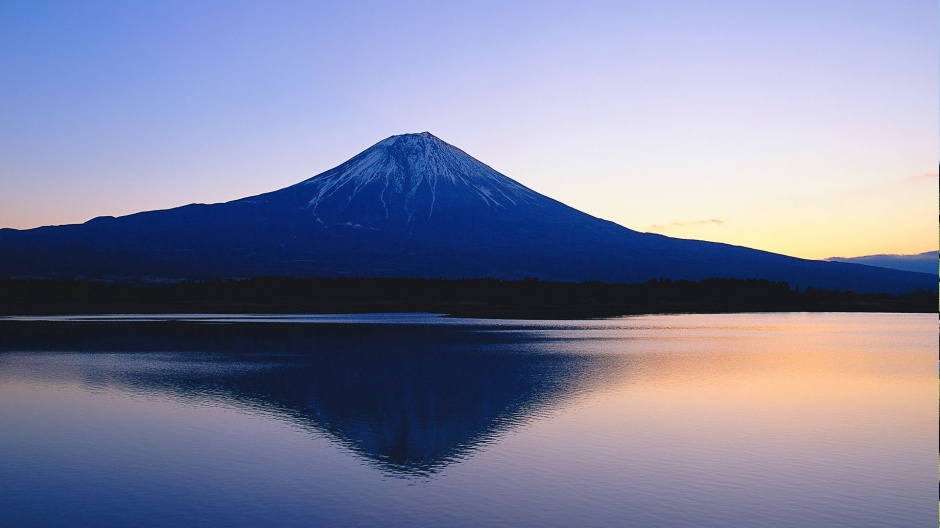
(808, 128)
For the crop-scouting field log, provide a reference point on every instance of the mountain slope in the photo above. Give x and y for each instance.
(413, 206)
(926, 262)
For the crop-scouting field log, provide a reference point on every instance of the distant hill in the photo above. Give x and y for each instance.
(409, 206)
(926, 262)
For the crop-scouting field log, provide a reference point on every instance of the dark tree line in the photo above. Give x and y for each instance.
(470, 297)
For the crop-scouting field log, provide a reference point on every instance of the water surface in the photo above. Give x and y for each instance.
(420, 420)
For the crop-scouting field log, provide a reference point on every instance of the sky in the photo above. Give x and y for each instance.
(808, 128)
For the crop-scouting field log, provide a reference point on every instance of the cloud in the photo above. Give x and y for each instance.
(662, 227)
(927, 176)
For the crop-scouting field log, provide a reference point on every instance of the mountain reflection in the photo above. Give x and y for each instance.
(409, 399)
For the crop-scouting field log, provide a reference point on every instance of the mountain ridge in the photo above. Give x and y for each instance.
(926, 262)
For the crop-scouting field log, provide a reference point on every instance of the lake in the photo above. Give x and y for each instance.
(787, 419)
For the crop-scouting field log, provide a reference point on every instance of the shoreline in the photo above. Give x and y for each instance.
(471, 298)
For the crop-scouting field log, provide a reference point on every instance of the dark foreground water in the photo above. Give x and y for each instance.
(408, 420)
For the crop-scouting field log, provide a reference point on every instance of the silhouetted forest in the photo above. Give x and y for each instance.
(528, 298)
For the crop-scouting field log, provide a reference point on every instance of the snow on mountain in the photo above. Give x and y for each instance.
(404, 180)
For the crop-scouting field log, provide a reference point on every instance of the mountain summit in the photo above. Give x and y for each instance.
(401, 182)
(409, 206)
(400, 177)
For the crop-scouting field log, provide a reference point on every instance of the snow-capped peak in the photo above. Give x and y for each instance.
(407, 176)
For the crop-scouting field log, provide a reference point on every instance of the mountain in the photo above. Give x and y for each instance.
(926, 262)
(409, 206)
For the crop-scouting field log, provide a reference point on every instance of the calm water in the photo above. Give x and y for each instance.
(417, 420)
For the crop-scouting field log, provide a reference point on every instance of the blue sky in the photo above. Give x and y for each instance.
(807, 128)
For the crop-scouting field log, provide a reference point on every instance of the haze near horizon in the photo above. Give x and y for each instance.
(806, 129)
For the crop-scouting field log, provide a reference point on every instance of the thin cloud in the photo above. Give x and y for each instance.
(927, 176)
(662, 227)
